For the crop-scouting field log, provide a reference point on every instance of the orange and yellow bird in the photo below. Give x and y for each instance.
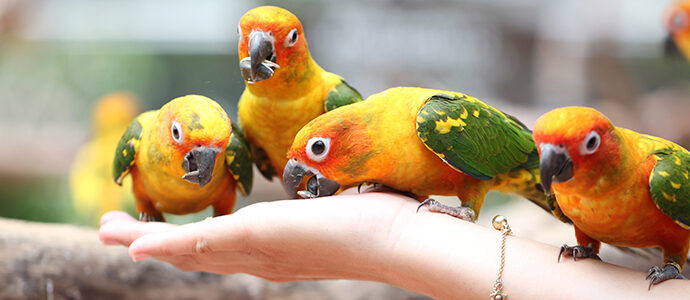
(184, 157)
(285, 88)
(419, 141)
(616, 186)
(93, 192)
(677, 21)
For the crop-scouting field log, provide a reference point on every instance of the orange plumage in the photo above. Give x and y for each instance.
(607, 195)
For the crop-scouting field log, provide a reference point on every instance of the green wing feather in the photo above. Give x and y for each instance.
(238, 159)
(262, 162)
(474, 137)
(669, 184)
(342, 94)
(126, 150)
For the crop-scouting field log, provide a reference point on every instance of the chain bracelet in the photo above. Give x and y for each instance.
(500, 223)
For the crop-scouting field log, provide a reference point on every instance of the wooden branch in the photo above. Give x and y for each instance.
(56, 261)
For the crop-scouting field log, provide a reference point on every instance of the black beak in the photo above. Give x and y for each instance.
(317, 186)
(261, 61)
(199, 164)
(555, 166)
(670, 47)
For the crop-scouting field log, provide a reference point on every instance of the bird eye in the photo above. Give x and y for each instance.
(591, 143)
(176, 131)
(317, 148)
(291, 38)
(679, 21)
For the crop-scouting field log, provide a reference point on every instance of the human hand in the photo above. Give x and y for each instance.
(346, 236)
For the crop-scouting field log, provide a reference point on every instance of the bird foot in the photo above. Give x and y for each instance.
(578, 252)
(460, 212)
(657, 275)
(144, 217)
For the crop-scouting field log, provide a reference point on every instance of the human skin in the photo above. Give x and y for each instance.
(375, 237)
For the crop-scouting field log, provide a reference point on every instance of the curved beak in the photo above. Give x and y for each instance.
(670, 47)
(199, 164)
(260, 63)
(555, 166)
(317, 186)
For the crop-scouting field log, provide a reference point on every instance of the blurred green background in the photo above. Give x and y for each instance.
(58, 57)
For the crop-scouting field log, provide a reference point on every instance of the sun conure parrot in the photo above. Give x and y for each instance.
(184, 157)
(419, 141)
(285, 88)
(93, 192)
(678, 27)
(616, 186)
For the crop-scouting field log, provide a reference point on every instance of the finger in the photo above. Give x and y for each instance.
(125, 231)
(217, 234)
(115, 215)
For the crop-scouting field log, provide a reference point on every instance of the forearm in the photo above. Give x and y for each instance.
(446, 258)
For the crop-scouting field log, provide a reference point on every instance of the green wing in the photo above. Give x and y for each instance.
(126, 150)
(669, 184)
(474, 137)
(342, 94)
(262, 162)
(238, 159)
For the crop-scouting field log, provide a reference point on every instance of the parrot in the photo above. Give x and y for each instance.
(617, 186)
(184, 157)
(678, 27)
(285, 88)
(93, 192)
(421, 142)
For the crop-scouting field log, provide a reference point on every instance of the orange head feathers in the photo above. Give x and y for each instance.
(575, 142)
(271, 44)
(677, 21)
(334, 148)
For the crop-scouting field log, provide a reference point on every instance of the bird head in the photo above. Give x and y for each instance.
(336, 148)
(195, 131)
(678, 26)
(575, 144)
(271, 42)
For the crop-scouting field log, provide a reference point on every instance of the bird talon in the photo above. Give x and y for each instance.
(577, 252)
(657, 274)
(460, 212)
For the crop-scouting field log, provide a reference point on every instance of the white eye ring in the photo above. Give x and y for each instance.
(590, 144)
(679, 21)
(291, 38)
(176, 132)
(317, 148)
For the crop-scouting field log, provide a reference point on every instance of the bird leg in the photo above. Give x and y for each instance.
(670, 270)
(460, 212)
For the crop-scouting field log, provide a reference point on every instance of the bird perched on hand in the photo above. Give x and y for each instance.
(285, 88)
(93, 192)
(420, 141)
(678, 27)
(183, 158)
(616, 186)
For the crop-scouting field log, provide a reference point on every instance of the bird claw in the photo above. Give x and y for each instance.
(577, 252)
(656, 275)
(144, 217)
(460, 212)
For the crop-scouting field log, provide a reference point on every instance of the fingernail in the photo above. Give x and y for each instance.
(140, 257)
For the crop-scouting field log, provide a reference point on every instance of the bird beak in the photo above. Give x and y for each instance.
(317, 186)
(199, 164)
(261, 61)
(555, 166)
(670, 47)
